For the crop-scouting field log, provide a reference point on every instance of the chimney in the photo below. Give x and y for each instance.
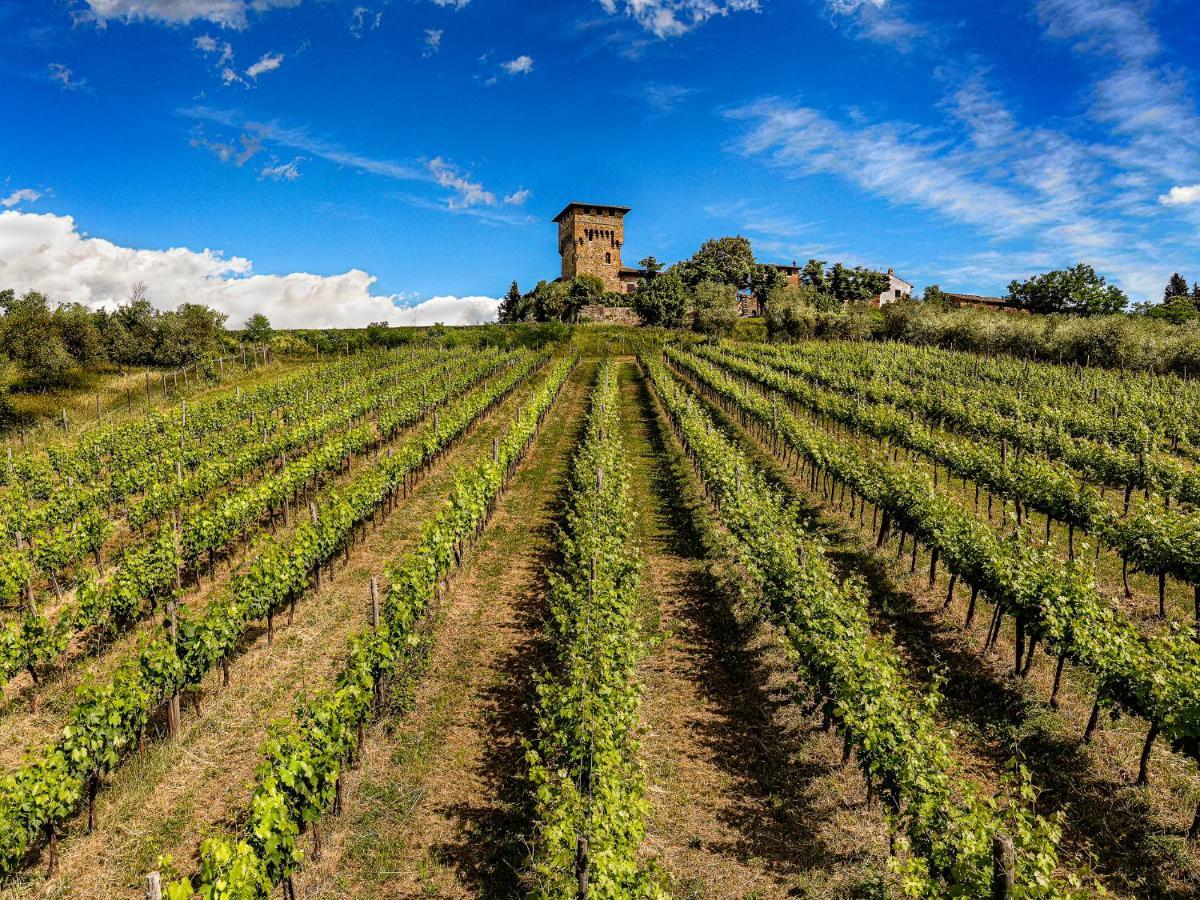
(891, 271)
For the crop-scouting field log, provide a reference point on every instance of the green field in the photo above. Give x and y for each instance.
(607, 615)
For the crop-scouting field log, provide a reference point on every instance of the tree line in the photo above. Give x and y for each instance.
(702, 293)
(53, 344)
(1180, 304)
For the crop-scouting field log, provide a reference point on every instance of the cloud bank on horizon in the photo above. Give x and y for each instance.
(48, 253)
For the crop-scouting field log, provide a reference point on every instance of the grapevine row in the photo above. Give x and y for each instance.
(299, 779)
(1066, 403)
(54, 549)
(151, 572)
(1095, 461)
(1155, 677)
(144, 468)
(1123, 408)
(119, 455)
(1154, 540)
(108, 720)
(589, 805)
(905, 755)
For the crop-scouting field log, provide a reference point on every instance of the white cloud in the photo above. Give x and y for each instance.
(225, 151)
(672, 18)
(759, 219)
(1117, 27)
(456, 5)
(300, 139)
(1147, 106)
(876, 20)
(23, 195)
(777, 234)
(65, 77)
(522, 65)
(846, 7)
(465, 193)
(268, 63)
(48, 253)
(364, 19)
(433, 41)
(208, 45)
(1181, 195)
(1041, 193)
(662, 99)
(469, 193)
(449, 310)
(518, 198)
(282, 171)
(227, 13)
(889, 160)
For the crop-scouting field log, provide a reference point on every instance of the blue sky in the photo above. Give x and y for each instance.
(330, 161)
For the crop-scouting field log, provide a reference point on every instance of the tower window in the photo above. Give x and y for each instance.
(608, 257)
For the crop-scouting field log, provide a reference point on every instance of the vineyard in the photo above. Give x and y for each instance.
(616, 616)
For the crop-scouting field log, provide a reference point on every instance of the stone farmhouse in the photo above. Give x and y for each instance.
(590, 238)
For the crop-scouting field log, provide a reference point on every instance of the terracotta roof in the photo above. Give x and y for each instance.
(976, 298)
(605, 206)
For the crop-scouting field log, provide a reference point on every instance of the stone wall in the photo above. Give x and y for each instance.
(609, 315)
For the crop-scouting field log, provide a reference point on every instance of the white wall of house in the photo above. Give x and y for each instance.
(898, 289)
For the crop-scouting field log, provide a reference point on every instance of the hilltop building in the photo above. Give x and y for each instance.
(590, 237)
(976, 301)
(898, 289)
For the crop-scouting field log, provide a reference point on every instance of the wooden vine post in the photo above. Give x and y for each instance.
(581, 867)
(153, 886)
(173, 630)
(173, 703)
(1004, 867)
(312, 512)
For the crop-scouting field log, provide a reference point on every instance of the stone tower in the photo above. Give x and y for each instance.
(589, 242)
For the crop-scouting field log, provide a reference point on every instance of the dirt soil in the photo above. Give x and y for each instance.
(748, 795)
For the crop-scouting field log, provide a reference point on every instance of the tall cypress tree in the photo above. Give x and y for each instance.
(509, 305)
(1177, 290)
